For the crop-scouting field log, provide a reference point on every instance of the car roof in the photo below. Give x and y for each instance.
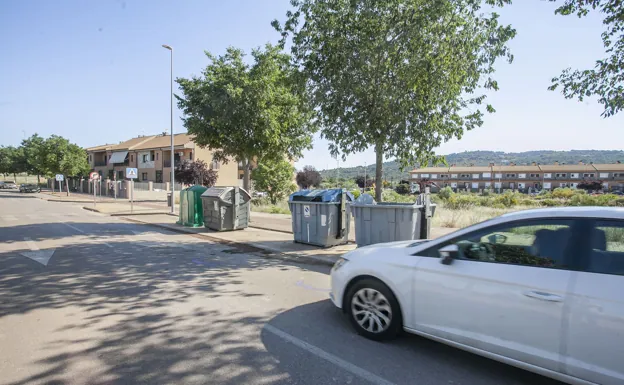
(583, 212)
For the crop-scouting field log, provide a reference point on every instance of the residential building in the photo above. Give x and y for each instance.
(151, 155)
(521, 177)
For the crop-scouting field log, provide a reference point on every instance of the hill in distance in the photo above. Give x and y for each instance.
(484, 158)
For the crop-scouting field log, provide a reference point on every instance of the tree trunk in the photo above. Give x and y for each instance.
(67, 186)
(38, 180)
(378, 170)
(246, 176)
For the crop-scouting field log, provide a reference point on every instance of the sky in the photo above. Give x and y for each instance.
(95, 72)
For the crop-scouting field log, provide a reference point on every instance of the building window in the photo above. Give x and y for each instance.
(143, 176)
(561, 175)
(191, 155)
(444, 176)
(534, 175)
(588, 175)
(144, 157)
(464, 175)
(547, 176)
(241, 176)
(522, 176)
(424, 175)
(131, 158)
(120, 175)
(434, 176)
(498, 176)
(510, 175)
(454, 176)
(214, 165)
(604, 174)
(475, 176)
(157, 155)
(487, 175)
(158, 176)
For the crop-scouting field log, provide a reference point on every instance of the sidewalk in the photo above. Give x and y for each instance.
(278, 244)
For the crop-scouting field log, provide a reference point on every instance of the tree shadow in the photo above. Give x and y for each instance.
(141, 312)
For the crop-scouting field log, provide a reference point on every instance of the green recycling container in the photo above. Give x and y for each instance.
(191, 210)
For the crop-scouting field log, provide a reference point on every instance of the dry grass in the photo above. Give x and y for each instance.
(465, 217)
(263, 206)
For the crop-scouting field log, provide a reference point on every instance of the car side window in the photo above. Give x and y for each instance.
(607, 248)
(537, 243)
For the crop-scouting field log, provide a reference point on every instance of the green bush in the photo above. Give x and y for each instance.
(509, 198)
(486, 193)
(550, 202)
(619, 202)
(461, 201)
(498, 206)
(278, 210)
(445, 193)
(403, 189)
(563, 193)
(583, 200)
(528, 202)
(393, 196)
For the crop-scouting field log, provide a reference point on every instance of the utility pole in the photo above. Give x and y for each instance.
(172, 155)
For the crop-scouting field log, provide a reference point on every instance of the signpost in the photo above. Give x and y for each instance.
(93, 178)
(131, 173)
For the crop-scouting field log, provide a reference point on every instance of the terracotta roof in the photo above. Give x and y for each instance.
(457, 169)
(103, 147)
(517, 168)
(610, 167)
(132, 143)
(431, 170)
(164, 141)
(567, 168)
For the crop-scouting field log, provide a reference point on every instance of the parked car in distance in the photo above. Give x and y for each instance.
(8, 185)
(32, 188)
(541, 289)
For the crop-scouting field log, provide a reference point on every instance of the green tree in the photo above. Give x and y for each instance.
(248, 112)
(275, 177)
(63, 157)
(605, 79)
(402, 76)
(35, 155)
(11, 160)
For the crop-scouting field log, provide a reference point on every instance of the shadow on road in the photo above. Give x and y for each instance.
(143, 324)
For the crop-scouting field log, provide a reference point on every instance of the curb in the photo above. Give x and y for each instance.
(272, 253)
(270, 229)
(123, 214)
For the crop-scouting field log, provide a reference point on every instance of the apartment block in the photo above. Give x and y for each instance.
(151, 155)
(522, 178)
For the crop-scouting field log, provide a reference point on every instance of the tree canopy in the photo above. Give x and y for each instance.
(605, 79)
(275, 177)
(248, 111)
(195, 172)
(309, 177)
(402, 76)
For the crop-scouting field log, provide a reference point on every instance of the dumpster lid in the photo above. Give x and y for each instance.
(331, 195)
(218, 191)
(197, 188)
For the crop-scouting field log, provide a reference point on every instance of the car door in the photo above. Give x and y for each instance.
(503, 293)
(595, 330)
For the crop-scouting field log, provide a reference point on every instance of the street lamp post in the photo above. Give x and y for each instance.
(172, 157)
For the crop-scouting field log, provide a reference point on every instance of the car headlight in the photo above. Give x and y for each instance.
(339, 263)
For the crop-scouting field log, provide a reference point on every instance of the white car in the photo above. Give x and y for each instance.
(540, 289)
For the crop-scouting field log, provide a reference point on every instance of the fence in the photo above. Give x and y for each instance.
(141, 186)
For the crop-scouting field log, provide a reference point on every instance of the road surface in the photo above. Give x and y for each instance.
(91, 299)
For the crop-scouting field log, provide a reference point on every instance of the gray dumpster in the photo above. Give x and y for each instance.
(389, 222)
(321, 217)
(226, 208)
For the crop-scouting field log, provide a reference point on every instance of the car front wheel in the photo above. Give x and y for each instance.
(373, 310)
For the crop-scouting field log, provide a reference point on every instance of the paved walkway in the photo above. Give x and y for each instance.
(272, 242)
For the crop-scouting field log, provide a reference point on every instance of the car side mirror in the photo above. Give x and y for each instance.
(448, 253)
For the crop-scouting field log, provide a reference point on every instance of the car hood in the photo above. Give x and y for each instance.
(397, 244)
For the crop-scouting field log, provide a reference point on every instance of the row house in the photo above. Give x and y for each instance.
(151, 155)
(521, 177)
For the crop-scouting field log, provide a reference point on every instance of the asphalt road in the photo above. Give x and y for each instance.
(91, 299)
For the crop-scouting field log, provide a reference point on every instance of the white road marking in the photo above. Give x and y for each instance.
(353, 369)
(41, 256)
(31, 244)
(74, 227)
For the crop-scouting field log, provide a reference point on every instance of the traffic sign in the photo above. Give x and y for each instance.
(131, 173)
(59, 177)
(94, 176)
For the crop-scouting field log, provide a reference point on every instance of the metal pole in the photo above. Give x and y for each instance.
(364, 178)
(131, 196)
(94, 193)
(172, 157)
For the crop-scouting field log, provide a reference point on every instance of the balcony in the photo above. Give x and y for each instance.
(99, 163)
